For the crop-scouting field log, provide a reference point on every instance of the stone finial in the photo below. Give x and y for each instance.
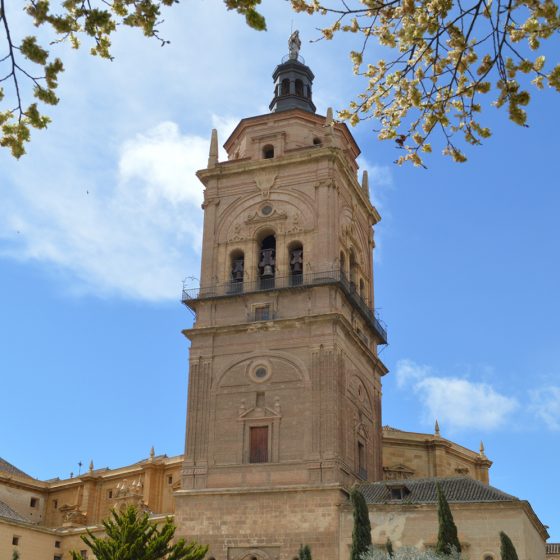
(329, 118)
(152, 453)
(365, 183)
(91, 466)
(329, 125)
(482, 449)
(213, 154)
(436, 428)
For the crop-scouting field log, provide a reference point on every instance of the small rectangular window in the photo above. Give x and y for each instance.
(109, 494)
(15, 540)
(83, 553)
(262, 313)
(397, 494)
(55, 504)
(34, 502)
(362, 467)
(169, 479)
(57, 544)
(258, 443)
(57, 557)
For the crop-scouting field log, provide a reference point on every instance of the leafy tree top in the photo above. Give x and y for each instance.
(445, 61)
(507, 550)
(448, 540)
(131, 535)
(361, 533)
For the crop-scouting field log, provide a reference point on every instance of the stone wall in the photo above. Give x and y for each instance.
(262, 524)
(478, 524)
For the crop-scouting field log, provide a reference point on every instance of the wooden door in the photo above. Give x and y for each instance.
(258, 444)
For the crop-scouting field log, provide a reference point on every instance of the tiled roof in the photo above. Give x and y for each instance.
(553, 548)
(423, 491)
(8, 513)
(10, 469)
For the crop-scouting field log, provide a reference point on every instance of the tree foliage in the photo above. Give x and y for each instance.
(304, 552)
(131, 535)
(446, 61)
(507, 550)
(27, 62)
(361, 533)
(443, 57)
(447, 541)
(407, 553)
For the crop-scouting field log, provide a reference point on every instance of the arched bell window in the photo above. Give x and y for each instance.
(299, 88)
(285, 87)
(353, 270)
(342, 265)
(237, 270)
(296, 263)
(267, 262)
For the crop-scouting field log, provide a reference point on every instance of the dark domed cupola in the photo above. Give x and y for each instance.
(292, 81)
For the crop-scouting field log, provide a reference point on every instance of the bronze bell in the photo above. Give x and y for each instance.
(267, 271)
(237, 272)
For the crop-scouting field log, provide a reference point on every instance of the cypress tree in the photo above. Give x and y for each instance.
(304, 552)
(361, 534)
(447, 533)
(389, 547)
(130, 535)
(507, 550)
(15, 555)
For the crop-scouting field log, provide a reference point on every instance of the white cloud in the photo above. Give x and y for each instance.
(461, 404)
(545, 404)
(409, 372)
(456, 402)
(136, 237)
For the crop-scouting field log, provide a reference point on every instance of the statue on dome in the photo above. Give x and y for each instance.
(294, 44)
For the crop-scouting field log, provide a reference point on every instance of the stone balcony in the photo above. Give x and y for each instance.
(292, 282)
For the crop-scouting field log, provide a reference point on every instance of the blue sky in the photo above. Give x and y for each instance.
(100, 223)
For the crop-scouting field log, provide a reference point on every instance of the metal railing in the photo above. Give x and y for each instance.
(308, 279)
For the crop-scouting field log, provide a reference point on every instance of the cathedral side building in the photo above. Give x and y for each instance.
(284, 401)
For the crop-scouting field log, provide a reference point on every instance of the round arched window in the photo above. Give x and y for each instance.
(261, 373)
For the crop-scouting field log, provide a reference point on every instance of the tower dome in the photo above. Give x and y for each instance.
(292, 81)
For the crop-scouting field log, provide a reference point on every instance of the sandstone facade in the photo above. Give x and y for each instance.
(284, 401)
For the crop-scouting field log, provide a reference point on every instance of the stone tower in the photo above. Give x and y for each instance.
(284, 404)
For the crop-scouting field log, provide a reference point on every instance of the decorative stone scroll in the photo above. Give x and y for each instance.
(255, 217)
(264, 180)
(72, 515)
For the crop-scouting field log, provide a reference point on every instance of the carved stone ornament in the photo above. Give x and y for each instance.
(265, 181)
(255, 217)
(73, 516)
(397, 472)
(238, 233)
(296, 225)
(362, 430)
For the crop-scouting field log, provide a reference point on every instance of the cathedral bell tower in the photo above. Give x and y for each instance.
(284, 398)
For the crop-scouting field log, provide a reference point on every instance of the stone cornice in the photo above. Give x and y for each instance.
(245, 166)
(322, 487)
(404, 439)
(292, 114)
(289, 323)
